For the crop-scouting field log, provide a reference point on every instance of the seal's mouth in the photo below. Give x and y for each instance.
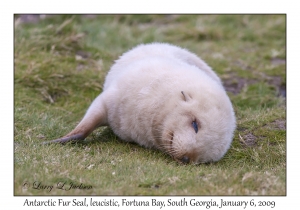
(183, 158)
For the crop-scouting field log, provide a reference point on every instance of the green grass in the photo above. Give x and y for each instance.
(60, 66)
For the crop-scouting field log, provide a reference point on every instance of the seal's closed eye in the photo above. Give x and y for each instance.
(195, 126)
(186, 96)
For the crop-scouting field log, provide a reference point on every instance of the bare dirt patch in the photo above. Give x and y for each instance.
(278, 83)
(279, 124)
(278, 61)
(235, 84)
(248, 139)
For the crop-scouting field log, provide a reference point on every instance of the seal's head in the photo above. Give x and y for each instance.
(200, 127)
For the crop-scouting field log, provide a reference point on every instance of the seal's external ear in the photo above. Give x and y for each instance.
(186, 96)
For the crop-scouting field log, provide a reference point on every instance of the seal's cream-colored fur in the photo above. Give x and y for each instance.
(155, 95)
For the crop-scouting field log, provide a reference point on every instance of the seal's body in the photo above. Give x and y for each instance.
(161, 96)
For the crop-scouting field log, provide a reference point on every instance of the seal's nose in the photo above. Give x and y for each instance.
(185, 159)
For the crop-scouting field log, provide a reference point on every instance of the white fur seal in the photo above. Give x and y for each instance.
(165, 97)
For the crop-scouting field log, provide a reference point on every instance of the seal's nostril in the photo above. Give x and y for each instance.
(185, 159)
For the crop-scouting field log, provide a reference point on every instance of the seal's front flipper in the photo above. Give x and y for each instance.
(95, 116)
(82, 130)
(75, 137)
